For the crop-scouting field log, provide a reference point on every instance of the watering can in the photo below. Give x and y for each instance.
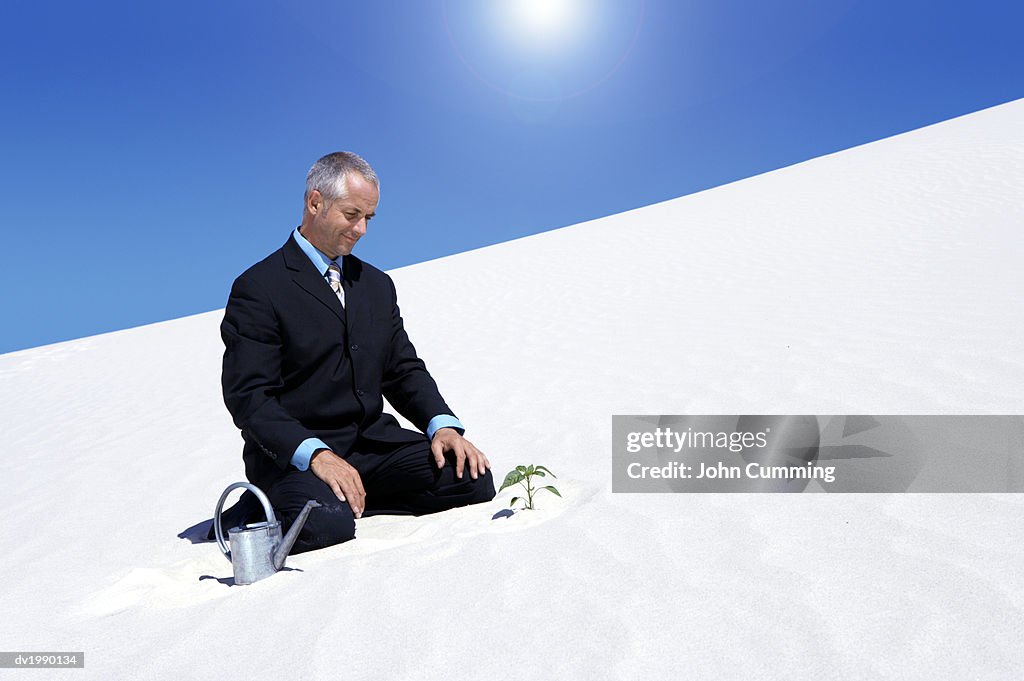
(257, 550)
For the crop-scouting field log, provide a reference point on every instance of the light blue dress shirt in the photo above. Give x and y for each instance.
(300, 459)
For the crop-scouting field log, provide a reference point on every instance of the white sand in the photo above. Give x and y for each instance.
(882, 279)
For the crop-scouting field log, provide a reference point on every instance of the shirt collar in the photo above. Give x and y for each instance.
(320, 261)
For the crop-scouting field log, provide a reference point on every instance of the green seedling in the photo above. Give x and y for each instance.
(522, 475)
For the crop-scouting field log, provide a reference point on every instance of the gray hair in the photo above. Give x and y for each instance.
(327, 175)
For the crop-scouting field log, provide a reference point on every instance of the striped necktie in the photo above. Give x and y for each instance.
(334, 276)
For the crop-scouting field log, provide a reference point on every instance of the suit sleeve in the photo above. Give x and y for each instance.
(251, 375)
(407, 384)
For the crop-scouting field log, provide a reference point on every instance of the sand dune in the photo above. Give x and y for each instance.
(881, 279)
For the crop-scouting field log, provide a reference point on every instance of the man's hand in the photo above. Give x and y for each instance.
(448, 439)
(342, 477)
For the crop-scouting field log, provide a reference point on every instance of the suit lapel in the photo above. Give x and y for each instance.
(305, 275)
(351, 276)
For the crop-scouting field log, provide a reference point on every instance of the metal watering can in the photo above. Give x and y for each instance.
(257, 550)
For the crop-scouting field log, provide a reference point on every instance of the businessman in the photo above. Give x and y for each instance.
(314, 342)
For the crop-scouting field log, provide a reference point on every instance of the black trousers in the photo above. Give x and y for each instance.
(398, 481)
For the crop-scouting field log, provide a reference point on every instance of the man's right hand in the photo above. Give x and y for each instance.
(342, 477)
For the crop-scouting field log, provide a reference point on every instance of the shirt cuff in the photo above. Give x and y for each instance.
(444, 421)
(300, 459)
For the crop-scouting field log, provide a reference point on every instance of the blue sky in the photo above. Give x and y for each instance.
(150, 152)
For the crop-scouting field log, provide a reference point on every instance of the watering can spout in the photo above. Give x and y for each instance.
(293, 533)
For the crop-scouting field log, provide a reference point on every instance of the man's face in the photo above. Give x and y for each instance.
(335, 226)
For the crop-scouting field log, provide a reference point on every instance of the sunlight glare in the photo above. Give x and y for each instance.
(543, 18)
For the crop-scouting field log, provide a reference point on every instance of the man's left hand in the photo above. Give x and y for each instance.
(448, 439)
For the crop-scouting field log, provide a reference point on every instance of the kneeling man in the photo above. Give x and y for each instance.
(313, 343)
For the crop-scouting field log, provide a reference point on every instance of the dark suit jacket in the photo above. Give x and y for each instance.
(298, 365)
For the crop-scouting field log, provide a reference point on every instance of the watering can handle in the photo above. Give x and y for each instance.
(267, 509)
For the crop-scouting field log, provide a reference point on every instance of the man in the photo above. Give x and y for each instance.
(313, 343)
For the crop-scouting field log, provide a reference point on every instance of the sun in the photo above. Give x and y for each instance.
(541, 21)
(542, 50)
(544, 17)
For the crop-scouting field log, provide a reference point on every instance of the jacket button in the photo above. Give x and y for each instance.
(360, 393)
(353, 347)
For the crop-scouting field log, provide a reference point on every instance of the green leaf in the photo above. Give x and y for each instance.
(529, 471)
(521, 469)
(513, 502)
(543, 468)
(540, 473)
(551, 489)
(512, 478)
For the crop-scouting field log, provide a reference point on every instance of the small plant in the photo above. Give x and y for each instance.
(522, 475)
